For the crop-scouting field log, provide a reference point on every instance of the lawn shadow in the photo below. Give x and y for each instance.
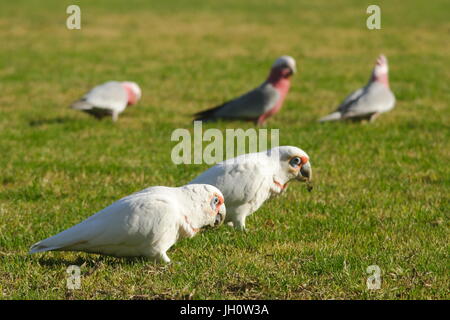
(59, 261)
(41, 122)
(92, 261)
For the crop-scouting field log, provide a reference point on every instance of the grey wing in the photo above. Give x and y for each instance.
(250, 105)
(344, 106)
(375, 98)
(350, 100)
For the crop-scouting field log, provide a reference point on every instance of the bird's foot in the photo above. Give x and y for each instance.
(240, 226)
(374, 116)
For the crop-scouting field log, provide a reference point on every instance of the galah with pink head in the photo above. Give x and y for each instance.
(260, 103)
(109, 99)
(368, 102)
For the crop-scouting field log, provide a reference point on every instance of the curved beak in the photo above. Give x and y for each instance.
(289, 71)
(293, 69)
(305, 175)
(220, 217)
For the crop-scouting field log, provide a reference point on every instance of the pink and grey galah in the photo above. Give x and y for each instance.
(260, 103)
(368, 102)
(109, 99)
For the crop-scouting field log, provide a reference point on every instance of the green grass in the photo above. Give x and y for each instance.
(381, 190)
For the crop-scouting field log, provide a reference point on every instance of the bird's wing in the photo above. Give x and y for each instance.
(248, 106)
(350, 100)
(126, 223)
(344, 106)
(240, 180)
(375, 98)
(110, 95)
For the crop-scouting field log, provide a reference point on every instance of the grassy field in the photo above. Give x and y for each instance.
(381, 192)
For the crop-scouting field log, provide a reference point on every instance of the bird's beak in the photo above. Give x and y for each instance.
(305, 175)
(220, 217)
(288, 71)
(293, 70)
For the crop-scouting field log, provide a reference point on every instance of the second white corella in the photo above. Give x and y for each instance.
(248, 180)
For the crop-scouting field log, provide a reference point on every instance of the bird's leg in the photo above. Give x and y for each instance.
(239, 215)
(115, 116)
(374, 116)
(239, 225)
(163, 257)
(261, 120)
(239, 221)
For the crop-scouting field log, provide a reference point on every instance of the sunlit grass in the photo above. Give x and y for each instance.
(381, 190)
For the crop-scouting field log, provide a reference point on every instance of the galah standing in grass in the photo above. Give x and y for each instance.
(250, 179)
(369, 102)
(260, 103)
(109, 98)
(146, 223)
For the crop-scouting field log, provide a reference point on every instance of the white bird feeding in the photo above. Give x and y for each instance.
(110, 98)
(247, 181)
(146, 223)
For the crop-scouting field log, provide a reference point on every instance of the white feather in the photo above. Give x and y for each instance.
(146, 223)
(249, 180)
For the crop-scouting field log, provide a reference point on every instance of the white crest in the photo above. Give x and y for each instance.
(381, 66)
(287, 61)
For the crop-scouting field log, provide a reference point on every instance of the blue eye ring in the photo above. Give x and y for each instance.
(295, 162)
(214, 202)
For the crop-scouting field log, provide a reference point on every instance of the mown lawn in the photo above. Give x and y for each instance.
(381, 192)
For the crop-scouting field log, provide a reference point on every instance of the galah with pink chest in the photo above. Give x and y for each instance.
(260, 103)
(109, 99)
(369, 102)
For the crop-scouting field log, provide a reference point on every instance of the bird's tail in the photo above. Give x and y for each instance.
(56, 242)
(207, 115)
(74, 237)
(331, 117)
(203, 118)
(81, 105)
(42, 247)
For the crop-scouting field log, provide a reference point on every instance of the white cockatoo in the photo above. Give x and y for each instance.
(110, 98)
(146, 223)
(369, 102)
(250, 179)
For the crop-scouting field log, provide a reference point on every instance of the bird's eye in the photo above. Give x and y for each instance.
(295, 162)
(214, 202)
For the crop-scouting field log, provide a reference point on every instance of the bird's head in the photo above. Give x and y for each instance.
(211, 209)
(283, 68)
(291, 163)
(381, 70)
(134, 92)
